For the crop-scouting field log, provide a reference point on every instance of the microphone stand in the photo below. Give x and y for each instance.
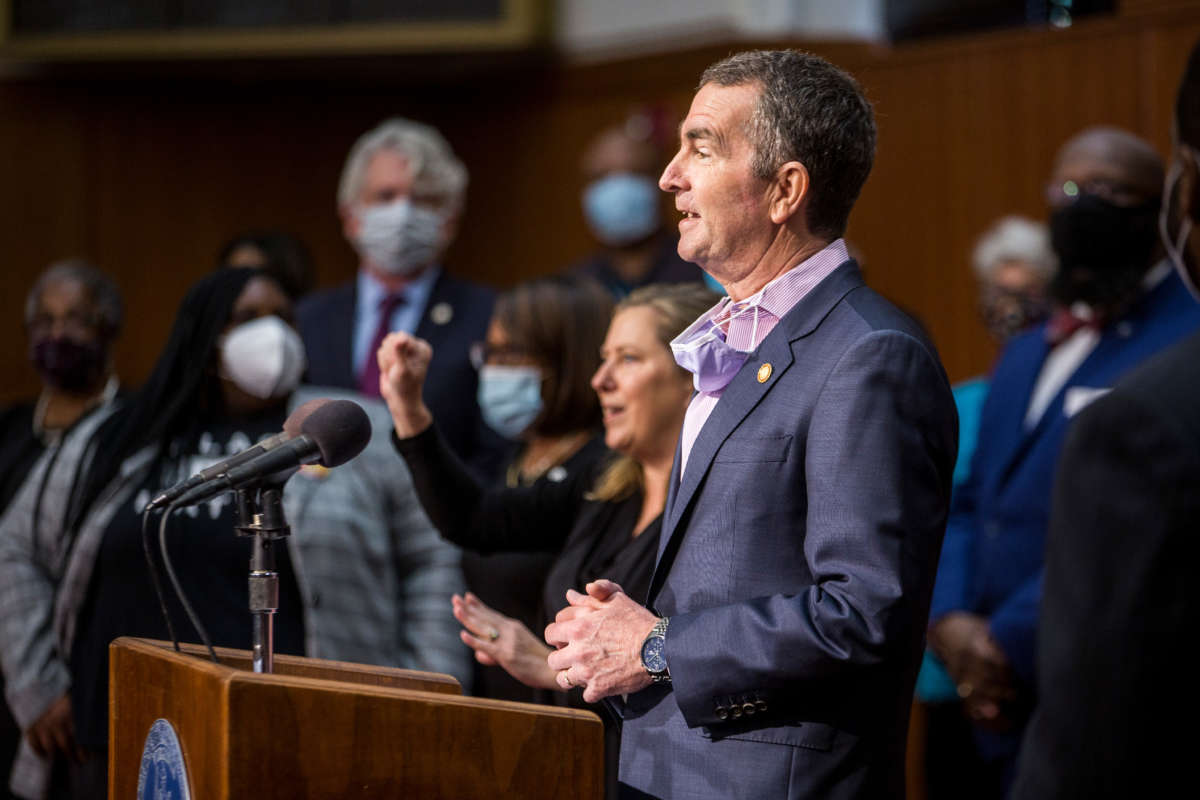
(260, 516)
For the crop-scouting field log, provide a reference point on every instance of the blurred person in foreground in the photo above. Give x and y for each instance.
(787, 609)
(364, 577)
(1120, 604)
(400, 198)
(542, 347)
(1117, 304)
(623, 210)
(602, 521)
(1013, 265)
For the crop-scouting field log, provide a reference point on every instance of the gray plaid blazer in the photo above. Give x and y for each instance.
(375, 575)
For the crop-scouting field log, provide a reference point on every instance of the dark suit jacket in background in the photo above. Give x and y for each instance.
(326, 323)
(1117, 690)
(993, 555)
(992, 560)
(796, 563)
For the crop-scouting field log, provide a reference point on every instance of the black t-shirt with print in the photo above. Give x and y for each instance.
(212, 563)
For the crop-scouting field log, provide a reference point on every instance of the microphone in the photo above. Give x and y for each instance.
(291, 429)
(332, 435)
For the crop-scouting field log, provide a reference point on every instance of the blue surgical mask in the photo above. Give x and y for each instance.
(622, 208)
(510, 398)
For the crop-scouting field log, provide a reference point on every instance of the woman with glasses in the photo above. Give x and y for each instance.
(604, 522)
(542, 346)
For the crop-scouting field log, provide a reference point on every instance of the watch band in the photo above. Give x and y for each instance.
(658, 632)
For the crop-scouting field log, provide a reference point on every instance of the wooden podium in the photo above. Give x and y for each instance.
(329, 729)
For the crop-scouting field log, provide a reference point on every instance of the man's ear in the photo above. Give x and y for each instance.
(789, 192)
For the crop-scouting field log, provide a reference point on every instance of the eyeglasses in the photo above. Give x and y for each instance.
(482, 353)
(1067, 192)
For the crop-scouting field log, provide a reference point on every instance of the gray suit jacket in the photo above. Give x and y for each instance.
(797, 561)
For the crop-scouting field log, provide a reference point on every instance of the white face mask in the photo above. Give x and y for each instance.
(263, 357)
(400, 238)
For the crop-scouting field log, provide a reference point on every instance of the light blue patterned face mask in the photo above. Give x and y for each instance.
(622, 208)
(510, 398)
(400, 238)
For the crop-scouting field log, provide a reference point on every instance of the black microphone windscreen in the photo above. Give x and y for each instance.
(340, 430)
(293, 424)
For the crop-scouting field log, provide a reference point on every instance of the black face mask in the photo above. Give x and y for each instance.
(69, 365)
(1103, 250)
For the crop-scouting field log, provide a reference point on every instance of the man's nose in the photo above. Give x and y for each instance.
(671, 179)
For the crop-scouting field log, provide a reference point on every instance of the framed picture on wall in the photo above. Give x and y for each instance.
(81, 30)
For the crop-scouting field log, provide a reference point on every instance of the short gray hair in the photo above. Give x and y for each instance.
(437, 172)
(809, 111)
(110, 308)
(1014, 238)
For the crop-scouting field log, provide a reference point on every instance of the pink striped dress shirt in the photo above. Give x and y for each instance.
(774, 301)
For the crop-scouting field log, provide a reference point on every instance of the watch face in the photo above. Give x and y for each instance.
(652, 654)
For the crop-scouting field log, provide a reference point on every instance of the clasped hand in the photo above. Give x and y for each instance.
(978, 667)
(598, 640)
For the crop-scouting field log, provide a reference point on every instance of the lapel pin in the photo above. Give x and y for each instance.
(764, 372)
(441, 313)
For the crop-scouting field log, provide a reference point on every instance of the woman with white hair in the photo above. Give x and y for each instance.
(1013, 264)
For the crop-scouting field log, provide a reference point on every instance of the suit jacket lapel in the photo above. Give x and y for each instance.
(1016, 405)
(740, 397)
(429, 329)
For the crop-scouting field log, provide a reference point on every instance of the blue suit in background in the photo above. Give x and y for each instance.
(797, 561)
(326, 323)
(992, 557)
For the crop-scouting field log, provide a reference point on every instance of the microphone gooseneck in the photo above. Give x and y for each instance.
(292, 428)
(332, 435)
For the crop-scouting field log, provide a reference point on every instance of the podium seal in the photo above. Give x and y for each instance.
(162, 775)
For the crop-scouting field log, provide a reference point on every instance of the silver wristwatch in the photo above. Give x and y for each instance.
(654, 655)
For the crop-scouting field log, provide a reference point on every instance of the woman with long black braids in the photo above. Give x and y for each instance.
(73, 572)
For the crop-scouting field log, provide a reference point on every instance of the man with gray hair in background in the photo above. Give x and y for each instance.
(786, 612)
(400, 198)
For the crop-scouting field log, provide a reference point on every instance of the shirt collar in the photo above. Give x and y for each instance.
(783, 292)
(416, 292)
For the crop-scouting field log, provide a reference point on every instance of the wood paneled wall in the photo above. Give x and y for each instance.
(147, 170)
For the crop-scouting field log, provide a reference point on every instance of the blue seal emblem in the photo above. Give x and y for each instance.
(162, 775)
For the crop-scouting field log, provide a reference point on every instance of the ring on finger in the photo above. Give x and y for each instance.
(493, 634)
(568, 680)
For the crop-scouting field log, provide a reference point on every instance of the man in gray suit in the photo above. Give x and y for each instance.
(810, 490)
